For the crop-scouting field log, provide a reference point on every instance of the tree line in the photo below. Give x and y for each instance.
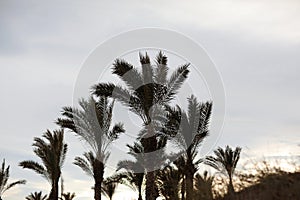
(147, 92)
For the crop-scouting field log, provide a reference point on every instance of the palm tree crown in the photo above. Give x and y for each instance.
(4, 176)
(225, 161)
(93, 124)
(36, 196)
(148, 91)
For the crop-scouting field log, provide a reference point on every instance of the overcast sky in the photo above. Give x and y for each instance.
(254, 44)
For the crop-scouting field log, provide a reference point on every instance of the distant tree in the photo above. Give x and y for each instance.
(225, 161)
(135, 170)
(168, 180)
(4, 176)
(147, 91)
(68, 196)
(203, 186)
(109, 187)
(93, 124)
(36, 196)
(52, 155)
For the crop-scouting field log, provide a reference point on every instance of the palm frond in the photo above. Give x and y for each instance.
(176, 80)
(131, 76)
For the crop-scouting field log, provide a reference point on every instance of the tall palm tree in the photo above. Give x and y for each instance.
(93, 124)
(225, 161)
(168, 180)
(203, 186)
(4, 176)
(148, 90)
(36, 196)
(193, 129)
(52, 155)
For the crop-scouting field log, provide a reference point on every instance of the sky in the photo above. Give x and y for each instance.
(255, 46)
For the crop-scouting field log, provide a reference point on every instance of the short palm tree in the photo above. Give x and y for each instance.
(203, 186)
(109, 187)
(193, 129)
(132, 180)
(135, 170)
(168, 181)
(225, 161)
(93, 124)
(68, 196)
(148, 90)
(4, 176)
(36, 196)
(52, 155)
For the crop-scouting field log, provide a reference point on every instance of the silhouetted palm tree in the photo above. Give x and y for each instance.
(36, 196)
(168, 180)
(203, 186)
(109, 187)
(193, 129)
(92, 123)
(52, 154)
(135, 170)
(225, 161)
(146, 94)
(4, 176)
(132, 180)
(68, 196)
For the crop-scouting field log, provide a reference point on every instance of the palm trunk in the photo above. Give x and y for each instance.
(150, 143)
(189, 175)
(54, 190)
(182, 188)
(98, 176)
(189, 185)
(150, 186)
(140, 192)
(230, 186)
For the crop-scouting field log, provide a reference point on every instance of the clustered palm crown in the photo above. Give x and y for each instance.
(93, 124)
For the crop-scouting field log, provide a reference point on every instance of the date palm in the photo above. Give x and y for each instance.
(147, 91)
(68, 196)
(168, 180)
(36, 196)
(135, 170)
(109, 186)
(4, 176)
(203, 186)
(225, 161)
(193, 128)
(52, 154)
(93, 124)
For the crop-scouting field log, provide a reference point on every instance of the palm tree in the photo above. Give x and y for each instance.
(193, 128)
(52, 155)
(109, 186)
(92, 123)
(203, 186)
(225, 161)
(168, 180)
(132, 180)
(36, 196)
(146, 94)
(68, 196)
(4, 176)
(135, 170)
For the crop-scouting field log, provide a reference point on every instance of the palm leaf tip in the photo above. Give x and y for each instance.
(103, 89)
